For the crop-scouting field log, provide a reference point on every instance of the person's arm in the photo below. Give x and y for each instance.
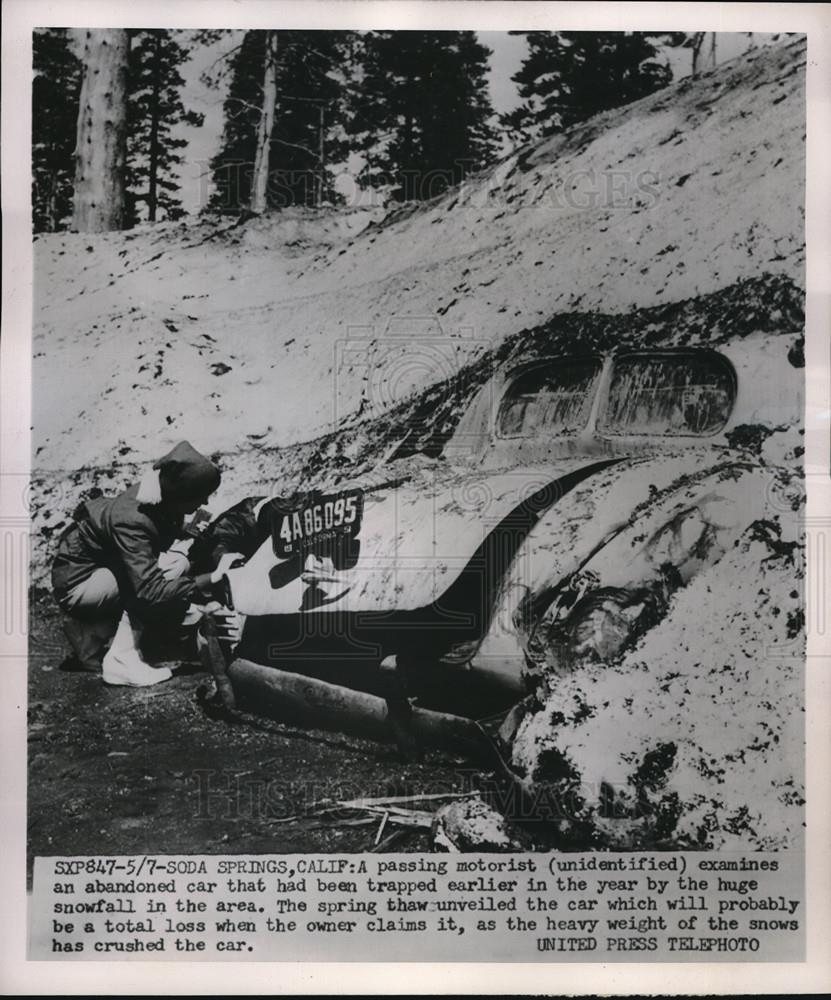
(149, 586)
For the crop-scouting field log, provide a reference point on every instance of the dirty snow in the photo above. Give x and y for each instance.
(215, 332)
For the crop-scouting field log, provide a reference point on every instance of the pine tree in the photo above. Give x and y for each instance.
(421, 111)
(101, 140)
(569, 76)
(155, 109)
(302, 131)
(55, 91)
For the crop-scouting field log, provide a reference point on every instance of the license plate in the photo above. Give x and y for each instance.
(315, 522)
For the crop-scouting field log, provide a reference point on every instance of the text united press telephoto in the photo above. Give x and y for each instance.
(418, 509)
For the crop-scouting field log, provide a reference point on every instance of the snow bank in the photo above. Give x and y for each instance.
(694, 738)
(266, 331)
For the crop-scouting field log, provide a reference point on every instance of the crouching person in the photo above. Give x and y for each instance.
(114, 572)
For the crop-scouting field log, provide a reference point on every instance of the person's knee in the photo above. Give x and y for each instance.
(97, 596)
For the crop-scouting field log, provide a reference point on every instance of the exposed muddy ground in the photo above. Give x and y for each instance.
(119, 770)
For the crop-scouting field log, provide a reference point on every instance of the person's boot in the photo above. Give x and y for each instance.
(124, 663)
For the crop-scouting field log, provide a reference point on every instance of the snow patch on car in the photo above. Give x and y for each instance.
(694, 736)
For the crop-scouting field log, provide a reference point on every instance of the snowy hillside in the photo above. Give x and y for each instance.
(261, 332)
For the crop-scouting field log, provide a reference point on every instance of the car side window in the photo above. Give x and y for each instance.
(685, 393)
(554, 398)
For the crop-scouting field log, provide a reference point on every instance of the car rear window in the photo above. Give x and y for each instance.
(552, 398)
(669, 394)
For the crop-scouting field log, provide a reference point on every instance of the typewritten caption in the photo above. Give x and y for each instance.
(458, 907)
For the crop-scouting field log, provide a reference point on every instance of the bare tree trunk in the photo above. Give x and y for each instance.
(52, 203)
(321, 155)
(153, 165)
(407, 145)
(712, 52)
(697, 42)
(101, 145)
(259, 185)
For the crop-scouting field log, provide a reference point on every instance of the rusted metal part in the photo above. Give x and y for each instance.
(215, 658)
(331, 706)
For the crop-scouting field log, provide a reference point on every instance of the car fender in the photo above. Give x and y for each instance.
(634, 532)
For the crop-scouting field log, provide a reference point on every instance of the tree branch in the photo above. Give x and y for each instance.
(246, 104)
(295, 145)
(205, 75)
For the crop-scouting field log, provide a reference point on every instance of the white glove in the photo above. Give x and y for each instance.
(196, 612)
(193, 616)
(225, 563)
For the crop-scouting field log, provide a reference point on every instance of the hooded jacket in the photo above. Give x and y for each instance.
(186, 474)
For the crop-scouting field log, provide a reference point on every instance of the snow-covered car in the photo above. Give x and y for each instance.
(576, 495)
